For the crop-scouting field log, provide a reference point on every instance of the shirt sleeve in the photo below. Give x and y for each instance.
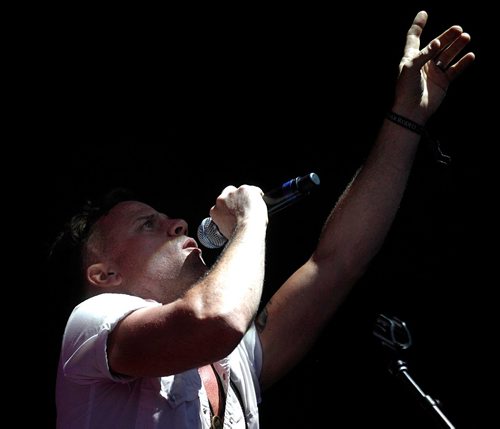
(253, 346)
(84, 348)
(250, 351)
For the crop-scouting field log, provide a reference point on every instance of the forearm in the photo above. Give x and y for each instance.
(360, 220)
(231, 290)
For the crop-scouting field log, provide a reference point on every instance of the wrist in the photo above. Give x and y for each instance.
(406, 122)
(420, 130)
(412, 113)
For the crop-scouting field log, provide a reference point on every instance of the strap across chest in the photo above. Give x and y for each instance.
(216, 395)
(213, 387)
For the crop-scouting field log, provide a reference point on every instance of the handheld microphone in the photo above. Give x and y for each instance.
(276, 200)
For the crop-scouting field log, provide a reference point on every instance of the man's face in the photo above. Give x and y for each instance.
(151, 252)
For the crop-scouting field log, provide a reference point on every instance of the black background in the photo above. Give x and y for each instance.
(179, 104)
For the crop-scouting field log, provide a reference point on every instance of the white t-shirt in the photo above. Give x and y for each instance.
(88, 396)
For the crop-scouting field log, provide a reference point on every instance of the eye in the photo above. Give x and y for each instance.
(148, 224)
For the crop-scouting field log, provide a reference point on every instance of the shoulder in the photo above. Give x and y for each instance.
(110, 303)
(102, 312)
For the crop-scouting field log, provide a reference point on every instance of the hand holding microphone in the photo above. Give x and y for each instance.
(236, 206)
(276, 200)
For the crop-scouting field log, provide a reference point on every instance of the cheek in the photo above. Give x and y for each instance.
(155, 260)
(138, 258)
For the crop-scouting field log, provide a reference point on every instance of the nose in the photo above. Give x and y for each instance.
(177, 227)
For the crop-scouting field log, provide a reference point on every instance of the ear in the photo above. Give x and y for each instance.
(101, 275)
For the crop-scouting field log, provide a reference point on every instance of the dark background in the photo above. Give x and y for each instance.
(180, 104)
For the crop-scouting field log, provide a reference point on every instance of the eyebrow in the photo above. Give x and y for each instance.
(148, 217)
(144, 217)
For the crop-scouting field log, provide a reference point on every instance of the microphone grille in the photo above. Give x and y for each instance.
(209, 235)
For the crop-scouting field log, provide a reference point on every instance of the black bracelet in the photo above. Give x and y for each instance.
(421, 130)
(406, 123)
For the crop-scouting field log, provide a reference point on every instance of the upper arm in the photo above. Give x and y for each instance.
(293, 318)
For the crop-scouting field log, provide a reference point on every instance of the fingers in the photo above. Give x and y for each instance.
(413, 35)
(445, 42)
(452, 42)
(460, 66)
(447, 55)
(443, 49)
(232, 196)
(450, 36)
(227, 190)
(220, 201)
(426, 54)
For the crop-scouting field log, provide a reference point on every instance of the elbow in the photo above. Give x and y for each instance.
(345, 266)
(229, 324)
(226, 334)
(222, 335)
(354, 265)
(223, 328)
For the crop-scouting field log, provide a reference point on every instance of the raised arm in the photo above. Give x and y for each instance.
(361, 218)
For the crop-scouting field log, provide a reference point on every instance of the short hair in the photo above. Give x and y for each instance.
(66, 254)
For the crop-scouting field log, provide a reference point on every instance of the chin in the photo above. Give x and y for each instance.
(194, 264)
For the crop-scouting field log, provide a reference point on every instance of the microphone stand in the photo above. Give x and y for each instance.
(394, 334)
(400, 370)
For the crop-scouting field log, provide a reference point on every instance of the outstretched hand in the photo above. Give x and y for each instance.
(424, 75)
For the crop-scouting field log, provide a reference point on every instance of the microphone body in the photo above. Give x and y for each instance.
(276, 200)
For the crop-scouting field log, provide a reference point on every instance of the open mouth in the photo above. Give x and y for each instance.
(190, 243)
